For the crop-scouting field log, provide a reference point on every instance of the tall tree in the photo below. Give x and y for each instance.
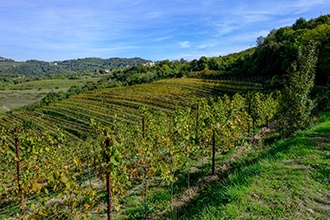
(296, 104)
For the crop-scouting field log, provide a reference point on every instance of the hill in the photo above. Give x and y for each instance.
(70, 128)
(74, 114)
(274, 53)
(41, 68)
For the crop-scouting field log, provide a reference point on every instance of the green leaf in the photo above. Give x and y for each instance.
(114, 161)
(64, 179)
(36, 187)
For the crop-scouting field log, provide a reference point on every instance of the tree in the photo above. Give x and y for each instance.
(203, 63)
(260, 40)
(296, 104)
(301, 23)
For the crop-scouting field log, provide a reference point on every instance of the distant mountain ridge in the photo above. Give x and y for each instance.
(3, 59)
(37, 67)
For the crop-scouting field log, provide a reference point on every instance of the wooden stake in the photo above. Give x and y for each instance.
(109, 190)
(213, 152)
(18, 170)
(143, 127)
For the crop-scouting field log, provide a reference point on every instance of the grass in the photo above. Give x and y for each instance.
(288, 180)
(48, 84)
(14, 99)
(19, 95)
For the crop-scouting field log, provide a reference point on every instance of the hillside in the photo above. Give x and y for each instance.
(41, 68)
(274, 53)
(290, 179)
(72, 129)
(74, 113)
(26, 93)
(286, 178)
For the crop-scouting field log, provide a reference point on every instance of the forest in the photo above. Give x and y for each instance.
(42, 68)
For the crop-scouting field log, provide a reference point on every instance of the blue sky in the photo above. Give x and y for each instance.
(53, 30)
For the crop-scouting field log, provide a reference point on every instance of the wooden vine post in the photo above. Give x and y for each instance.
(213, 151)
(145, 173)
(197, 124)
(249, 113)
(18, 171)
(143, 126)
(108, 179)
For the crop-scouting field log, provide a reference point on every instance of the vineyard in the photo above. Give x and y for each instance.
(222, 137)
(74, 114)
(71, 158)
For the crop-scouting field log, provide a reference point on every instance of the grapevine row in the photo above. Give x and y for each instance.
(157, 147)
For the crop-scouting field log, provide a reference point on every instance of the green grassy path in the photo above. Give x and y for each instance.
(288, 180)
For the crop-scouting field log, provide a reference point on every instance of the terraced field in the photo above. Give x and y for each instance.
(63, 154)
(124, 103)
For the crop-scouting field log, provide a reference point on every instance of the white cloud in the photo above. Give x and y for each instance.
(154, 14)
(185, 44)
(162, 38)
